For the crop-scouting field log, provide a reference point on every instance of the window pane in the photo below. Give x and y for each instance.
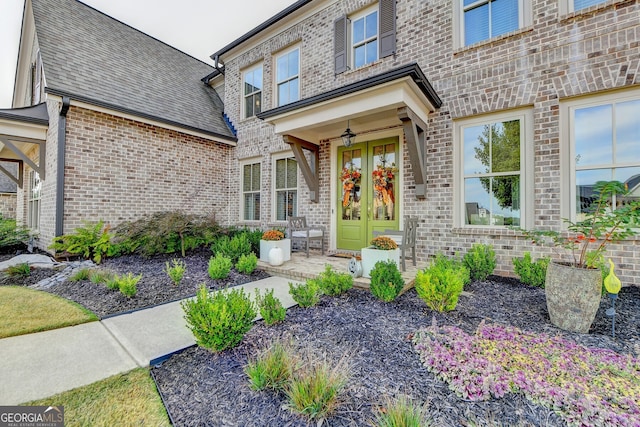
(282, 66)
(248, 83)
(281, 173)
(257, 99)
(248, 106)
(292, 173)
(294, 94)
(504, 16)
(371, 25)
(581, 4)
(628, 131)
(294, 60)
(477, 202)
(372, 51)
(505, 147)
(257, 78)
(593, 135)
(476, 24)
(281, 198)
(492, 201)
(292, 203)
(246, 178)
(476, 154)
(585, 181)
(359, 56)
(255, 177)
(358, 30)
(283, 93)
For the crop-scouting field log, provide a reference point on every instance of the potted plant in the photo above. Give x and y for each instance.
(274, 239)
(383, 248)
(573, 284)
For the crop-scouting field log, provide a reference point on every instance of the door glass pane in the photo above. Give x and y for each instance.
(383, 179)
(350, 179)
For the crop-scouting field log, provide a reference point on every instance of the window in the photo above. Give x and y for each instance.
(583, 4)
(493, 156)
(288, 76)
(364, 38)
(35, 193)
(479, 20)
(252, 91)
(286, 188)
(251, 192)
(604, 134)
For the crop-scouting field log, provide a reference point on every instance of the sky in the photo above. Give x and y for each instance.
(197, 27)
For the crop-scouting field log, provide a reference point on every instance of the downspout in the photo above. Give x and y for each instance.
(216, 64)
(62, 141)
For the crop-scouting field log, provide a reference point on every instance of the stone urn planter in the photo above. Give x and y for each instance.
(573, 296)
(267, 245)
(371, 255)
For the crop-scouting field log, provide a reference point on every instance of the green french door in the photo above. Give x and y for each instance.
(368, 194)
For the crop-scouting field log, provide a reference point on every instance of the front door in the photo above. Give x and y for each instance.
(367, 191)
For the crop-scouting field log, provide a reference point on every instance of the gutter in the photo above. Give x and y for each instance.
(62, 142)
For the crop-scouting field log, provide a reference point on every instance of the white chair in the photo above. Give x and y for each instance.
(298, 230)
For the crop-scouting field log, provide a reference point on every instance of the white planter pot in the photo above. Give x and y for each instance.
(371, 255)
(266, 245)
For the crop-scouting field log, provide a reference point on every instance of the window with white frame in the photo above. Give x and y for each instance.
(480, 20)
(288, 76)
(604, 138)
(493, 173)
(364, 37)
(252, 91)
(35, 193)
(286, 187)
(251, 191)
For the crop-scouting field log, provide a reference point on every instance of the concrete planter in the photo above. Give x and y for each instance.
(573, 296)
(267, 245)
(371, 255)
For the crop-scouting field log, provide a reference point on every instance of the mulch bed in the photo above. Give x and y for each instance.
(201, 388)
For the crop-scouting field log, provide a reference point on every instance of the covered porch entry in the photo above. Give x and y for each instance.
(363, 180)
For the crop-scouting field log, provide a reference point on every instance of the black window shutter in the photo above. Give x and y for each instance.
(340, 45)
(387, 16)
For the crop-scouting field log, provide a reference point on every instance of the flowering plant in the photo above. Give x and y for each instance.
(383, 182)
(273, 235)
(384, 243)
(350, 178)
(601, 226)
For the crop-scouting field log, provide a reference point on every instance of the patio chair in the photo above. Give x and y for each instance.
(406, 239)
(298, 230)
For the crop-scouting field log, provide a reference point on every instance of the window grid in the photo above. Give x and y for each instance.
(35, 193)
(288, 76)
(286, 186)
(364, 35)
(251, 192)
(252, 88)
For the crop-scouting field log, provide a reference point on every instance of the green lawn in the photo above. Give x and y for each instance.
(126, 399)
(24, 310)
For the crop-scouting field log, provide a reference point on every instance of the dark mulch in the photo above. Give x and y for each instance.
(201, 388)
(154, 287)
(36, 275)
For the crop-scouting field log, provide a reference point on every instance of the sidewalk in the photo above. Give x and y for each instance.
(39, 365)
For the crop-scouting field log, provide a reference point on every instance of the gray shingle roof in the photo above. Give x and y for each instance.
(92, 57)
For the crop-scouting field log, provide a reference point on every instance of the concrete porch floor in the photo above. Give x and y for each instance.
(301, 268)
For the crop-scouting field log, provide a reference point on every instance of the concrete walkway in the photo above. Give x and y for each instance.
(39, 365)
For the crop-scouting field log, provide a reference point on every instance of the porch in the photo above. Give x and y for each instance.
(301, 268)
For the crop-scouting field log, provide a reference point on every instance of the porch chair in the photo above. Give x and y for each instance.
(406, 239)
(297, 230)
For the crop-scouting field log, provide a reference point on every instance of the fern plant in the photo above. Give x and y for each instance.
(91, 242)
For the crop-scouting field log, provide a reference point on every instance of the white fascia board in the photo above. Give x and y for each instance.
(22, 131)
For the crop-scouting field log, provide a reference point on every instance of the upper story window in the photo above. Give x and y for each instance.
(494, 174)
(252, 91)
(604, 141)
(364, 37)
(479, 20)
(583, 4)
(288, 76)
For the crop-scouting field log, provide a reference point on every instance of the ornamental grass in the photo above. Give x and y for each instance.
(585, 386)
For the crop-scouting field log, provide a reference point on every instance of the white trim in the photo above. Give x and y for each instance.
(525, 115)
(156, 123)
(274, 201)
(276, 56)
(241, 164)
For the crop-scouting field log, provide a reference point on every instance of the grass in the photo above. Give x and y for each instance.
(402, 412)
(130, 398)
(23, 311)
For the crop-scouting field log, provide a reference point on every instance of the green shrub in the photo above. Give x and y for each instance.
(247, 263)
(480, 260)
(272, 369)
(305, 294)
(101, 276)
(313, 390)
(233, 247)
(128, 284)
(92, 242)
(401, 412)
(219, 267)
(386, 281)
(19, 270)
(439, 286)
(333, 283)
(175, 271)
(254, 237)
(270, 307)
(11, 234)
(442, 261)
(81, 274)
(531, 273)
(219, 320)
(112, 283)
